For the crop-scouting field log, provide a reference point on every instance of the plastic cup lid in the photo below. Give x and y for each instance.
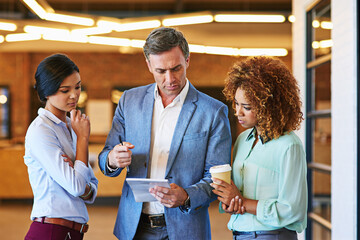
(220, 168)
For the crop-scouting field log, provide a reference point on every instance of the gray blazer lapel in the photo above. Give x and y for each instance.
(185, 116)
(146, 120)
(147, 109)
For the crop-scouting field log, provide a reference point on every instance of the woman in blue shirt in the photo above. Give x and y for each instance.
(56, 154)
(268, 197)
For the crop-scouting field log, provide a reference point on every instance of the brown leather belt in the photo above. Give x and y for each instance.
(82, 228)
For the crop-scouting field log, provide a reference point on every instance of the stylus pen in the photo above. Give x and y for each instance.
(121, 142)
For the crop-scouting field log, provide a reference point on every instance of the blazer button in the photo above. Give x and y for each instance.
(145, 164)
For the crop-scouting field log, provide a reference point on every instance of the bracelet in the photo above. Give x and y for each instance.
(110, 169)
(88, 194)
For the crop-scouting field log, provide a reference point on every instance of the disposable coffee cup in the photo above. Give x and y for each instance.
(222, 172)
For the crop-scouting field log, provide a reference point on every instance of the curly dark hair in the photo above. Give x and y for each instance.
(272, 92)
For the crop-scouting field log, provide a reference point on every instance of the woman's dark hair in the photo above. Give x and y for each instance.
(51, 72)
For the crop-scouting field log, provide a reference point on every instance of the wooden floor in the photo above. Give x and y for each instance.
(15, 220)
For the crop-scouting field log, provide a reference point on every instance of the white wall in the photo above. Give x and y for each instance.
(344, 122)
(299, 57)
(299, 60)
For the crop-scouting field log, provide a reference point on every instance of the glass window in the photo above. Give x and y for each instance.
(319, 232)
(4, 112)
(318, 120)
(321, 26)
(322, 86)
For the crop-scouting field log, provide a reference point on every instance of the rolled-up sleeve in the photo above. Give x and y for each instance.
(291, 205)
(94, 185)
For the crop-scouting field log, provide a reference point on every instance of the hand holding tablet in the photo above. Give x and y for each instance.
(140, 187)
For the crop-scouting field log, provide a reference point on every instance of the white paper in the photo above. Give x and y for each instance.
(141, 186)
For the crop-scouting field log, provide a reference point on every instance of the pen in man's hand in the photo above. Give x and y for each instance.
(121, 143)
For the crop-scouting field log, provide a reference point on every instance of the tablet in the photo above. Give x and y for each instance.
(140, 187)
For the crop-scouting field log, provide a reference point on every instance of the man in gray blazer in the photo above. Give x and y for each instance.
(170, 130)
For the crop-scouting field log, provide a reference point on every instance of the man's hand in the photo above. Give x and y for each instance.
(120, 156)
(170, 197)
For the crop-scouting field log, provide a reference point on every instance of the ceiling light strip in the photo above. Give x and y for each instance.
(292, 18)
(326, 43)
(65, 38)
(91, 31)
(124, 42)
(266, 18)
(137, 43)
(187, 20)
(7, 26)
(131, 26)
(237, 51)
(85, 21)
(16, 37)
(326, 25)
(222, 51)
(279, 52)
(45, 30)
(36, 8)
(56, 17)
(315, 23)
(138, 25)
(322, 44)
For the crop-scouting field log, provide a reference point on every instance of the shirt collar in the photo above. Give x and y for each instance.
(50, 115)
(252, 134)
(179, 98)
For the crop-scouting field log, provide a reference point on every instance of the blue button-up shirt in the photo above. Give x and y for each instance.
(56, 186)
(274, 173)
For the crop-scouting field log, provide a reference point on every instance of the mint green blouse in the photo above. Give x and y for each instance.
(275, 174)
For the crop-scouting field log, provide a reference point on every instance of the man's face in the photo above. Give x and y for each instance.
(169, 70)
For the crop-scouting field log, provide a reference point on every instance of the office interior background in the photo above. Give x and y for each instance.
(317, 39)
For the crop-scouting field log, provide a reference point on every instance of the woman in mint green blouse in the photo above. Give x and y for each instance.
(268, 196)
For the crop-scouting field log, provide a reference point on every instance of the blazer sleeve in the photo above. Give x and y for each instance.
(218, 153)
(291, 206)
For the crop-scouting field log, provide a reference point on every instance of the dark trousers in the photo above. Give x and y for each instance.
(47, 231)
(145, 231)
(280, 234)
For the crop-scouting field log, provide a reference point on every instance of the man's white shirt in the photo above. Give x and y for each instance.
(162, 131)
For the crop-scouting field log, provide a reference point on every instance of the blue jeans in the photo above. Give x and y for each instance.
(279, 234)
